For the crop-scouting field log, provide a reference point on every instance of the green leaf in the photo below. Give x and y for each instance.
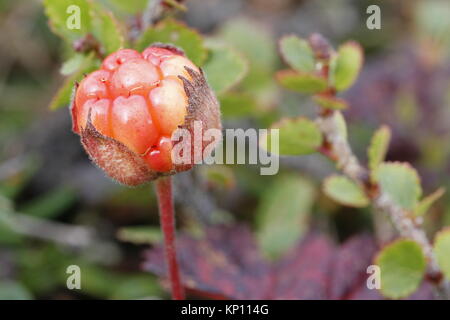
(224, 68)
(62, 96)
(297, 53)
(140, 235)
(97, 281)
(402, 267)
(442, 251)
(252, 39)
(177, 34)
(236, 105)
(379, 146)
(330, 102)
(64, 93)
(301, 82)
(50, 204)
(63, 14)
(283, 214)
(425, 204)
(72, 64)
(296, 137)
(107, 30)
(345, 67)
(261, 85)
(130, 6)
(400, 181)
(133, 287)
(345, 191)
(257, 45)
(49, 261)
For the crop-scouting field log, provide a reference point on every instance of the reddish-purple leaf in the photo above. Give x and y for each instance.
(227, 264)
(304, 273)
(350, 264)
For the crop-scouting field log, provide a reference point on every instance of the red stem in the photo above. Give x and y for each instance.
(167, 220)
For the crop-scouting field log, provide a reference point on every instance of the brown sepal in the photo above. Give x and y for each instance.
(202, 106)
(202, 102)
(119, 162)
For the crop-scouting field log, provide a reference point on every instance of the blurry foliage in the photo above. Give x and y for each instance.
(404, 83)
(283, 214)
(170, 31)
(392, 187)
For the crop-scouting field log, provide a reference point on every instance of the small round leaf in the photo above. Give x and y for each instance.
(297, 53)
(345, 67)
(107, 29)
(296, 137)
(400, 181)
(442, 251)
(345, 191)
(62, 16)
(301, 82)
(173, 32)
(402, 265)
(224, 68)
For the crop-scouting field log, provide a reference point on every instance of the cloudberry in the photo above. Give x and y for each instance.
(127, 111)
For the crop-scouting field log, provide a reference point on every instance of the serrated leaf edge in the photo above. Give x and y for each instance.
(376, 262)
(345, 203)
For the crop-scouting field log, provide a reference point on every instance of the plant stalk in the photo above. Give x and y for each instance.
(167, 219)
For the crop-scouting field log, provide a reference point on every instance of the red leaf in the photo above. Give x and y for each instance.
(350, 265)
(226, 264)
(303, 274)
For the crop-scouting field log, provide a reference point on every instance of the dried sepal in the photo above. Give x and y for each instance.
(202, 103)
(119, 162)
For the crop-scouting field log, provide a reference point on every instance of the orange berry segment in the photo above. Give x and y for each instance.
(135, 76)
(99, 110)
(132, 123)
(174, 66)
(94, 86)
(136, 99)
(169, 104)
(155, 55)
(160, 158)
(114, 60)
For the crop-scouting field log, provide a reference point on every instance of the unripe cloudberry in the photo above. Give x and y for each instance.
(127, 111)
